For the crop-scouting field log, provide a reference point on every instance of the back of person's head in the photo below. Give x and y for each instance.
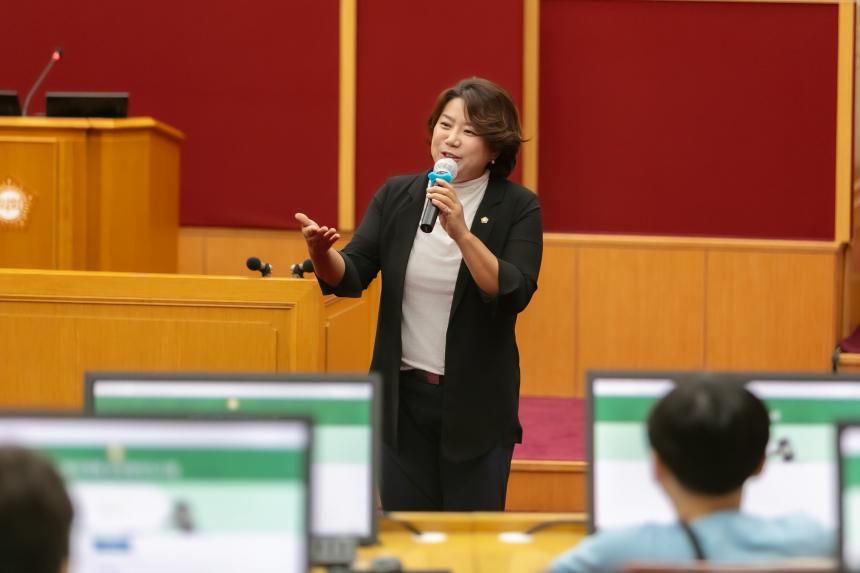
(35, 513)
(711, 435)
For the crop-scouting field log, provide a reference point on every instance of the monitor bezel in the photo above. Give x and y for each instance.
(372, 378)
(304, 421)
(841, 427)
(680, 377)
(117, 102)
(11, 94)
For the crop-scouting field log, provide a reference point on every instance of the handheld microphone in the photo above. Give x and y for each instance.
(445, 169)
(255, 264)
(298, 270)
(56, 56)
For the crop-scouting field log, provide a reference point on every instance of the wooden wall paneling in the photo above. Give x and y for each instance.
(191, 250)
(546, 333)
(851, 291)
(771, 310)
(845, 102)
(347, 36)
(640, 308)
(351, 330)
(547, 486)
(840, 286)
(226, 251)
(349, 340)
(531, 93)
(611, 302)
(851, 294)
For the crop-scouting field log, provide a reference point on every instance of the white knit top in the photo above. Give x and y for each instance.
(429, 289)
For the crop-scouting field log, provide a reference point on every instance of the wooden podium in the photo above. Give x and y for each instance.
(89, 194)
(55, 325)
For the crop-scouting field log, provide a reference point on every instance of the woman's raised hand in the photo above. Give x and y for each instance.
(319, 239)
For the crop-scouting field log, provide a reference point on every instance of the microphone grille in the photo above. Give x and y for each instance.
(446, 165)
(253, 263)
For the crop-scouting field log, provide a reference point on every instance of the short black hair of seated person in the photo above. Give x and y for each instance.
(492, 113)
(711, 434)
(35, 513)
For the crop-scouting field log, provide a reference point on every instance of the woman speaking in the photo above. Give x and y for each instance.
(445, 340)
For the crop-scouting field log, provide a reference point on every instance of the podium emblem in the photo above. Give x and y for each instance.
(15, 204)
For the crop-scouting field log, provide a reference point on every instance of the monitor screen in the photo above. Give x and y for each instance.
(179, 496)
(344, 410)
(849, 496)
(803, 410)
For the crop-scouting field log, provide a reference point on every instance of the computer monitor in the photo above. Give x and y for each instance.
(179, 496)
(803, 409)
(86, 104)
(345, 410)
(848, 452)
(9, 104)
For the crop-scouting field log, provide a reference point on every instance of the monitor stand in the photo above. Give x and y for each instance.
(336, 554)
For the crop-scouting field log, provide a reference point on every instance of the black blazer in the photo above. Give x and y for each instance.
(482, 375)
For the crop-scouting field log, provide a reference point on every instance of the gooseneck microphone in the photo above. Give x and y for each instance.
(298, 270)
(56, 56)
(255, 264)
(445, 169)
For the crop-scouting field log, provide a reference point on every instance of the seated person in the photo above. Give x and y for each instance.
(35, 514)
(706, 439)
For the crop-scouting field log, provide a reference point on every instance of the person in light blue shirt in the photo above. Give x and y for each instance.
(707, 438)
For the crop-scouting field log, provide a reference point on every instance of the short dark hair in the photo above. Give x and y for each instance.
(711, 434)
(492, 113)
(35, 513)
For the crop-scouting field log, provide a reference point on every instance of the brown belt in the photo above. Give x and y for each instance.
(431, 377)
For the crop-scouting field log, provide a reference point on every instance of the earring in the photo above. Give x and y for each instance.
(492, 162)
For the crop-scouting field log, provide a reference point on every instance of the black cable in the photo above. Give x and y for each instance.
(552, 523)
(408, 526)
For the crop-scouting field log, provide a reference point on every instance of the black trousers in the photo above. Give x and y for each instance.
(416, 477)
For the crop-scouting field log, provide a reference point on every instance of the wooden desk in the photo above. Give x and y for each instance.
(472, 541)
(56, 325)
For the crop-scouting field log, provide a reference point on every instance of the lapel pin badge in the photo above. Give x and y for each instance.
(485, 219)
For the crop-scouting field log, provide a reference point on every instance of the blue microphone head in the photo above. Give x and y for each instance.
(445, 168)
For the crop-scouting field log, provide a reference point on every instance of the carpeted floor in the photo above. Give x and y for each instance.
(553, 429)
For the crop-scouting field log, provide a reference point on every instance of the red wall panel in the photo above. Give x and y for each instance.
(688, 118)
(254, 86)
(407, 53)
